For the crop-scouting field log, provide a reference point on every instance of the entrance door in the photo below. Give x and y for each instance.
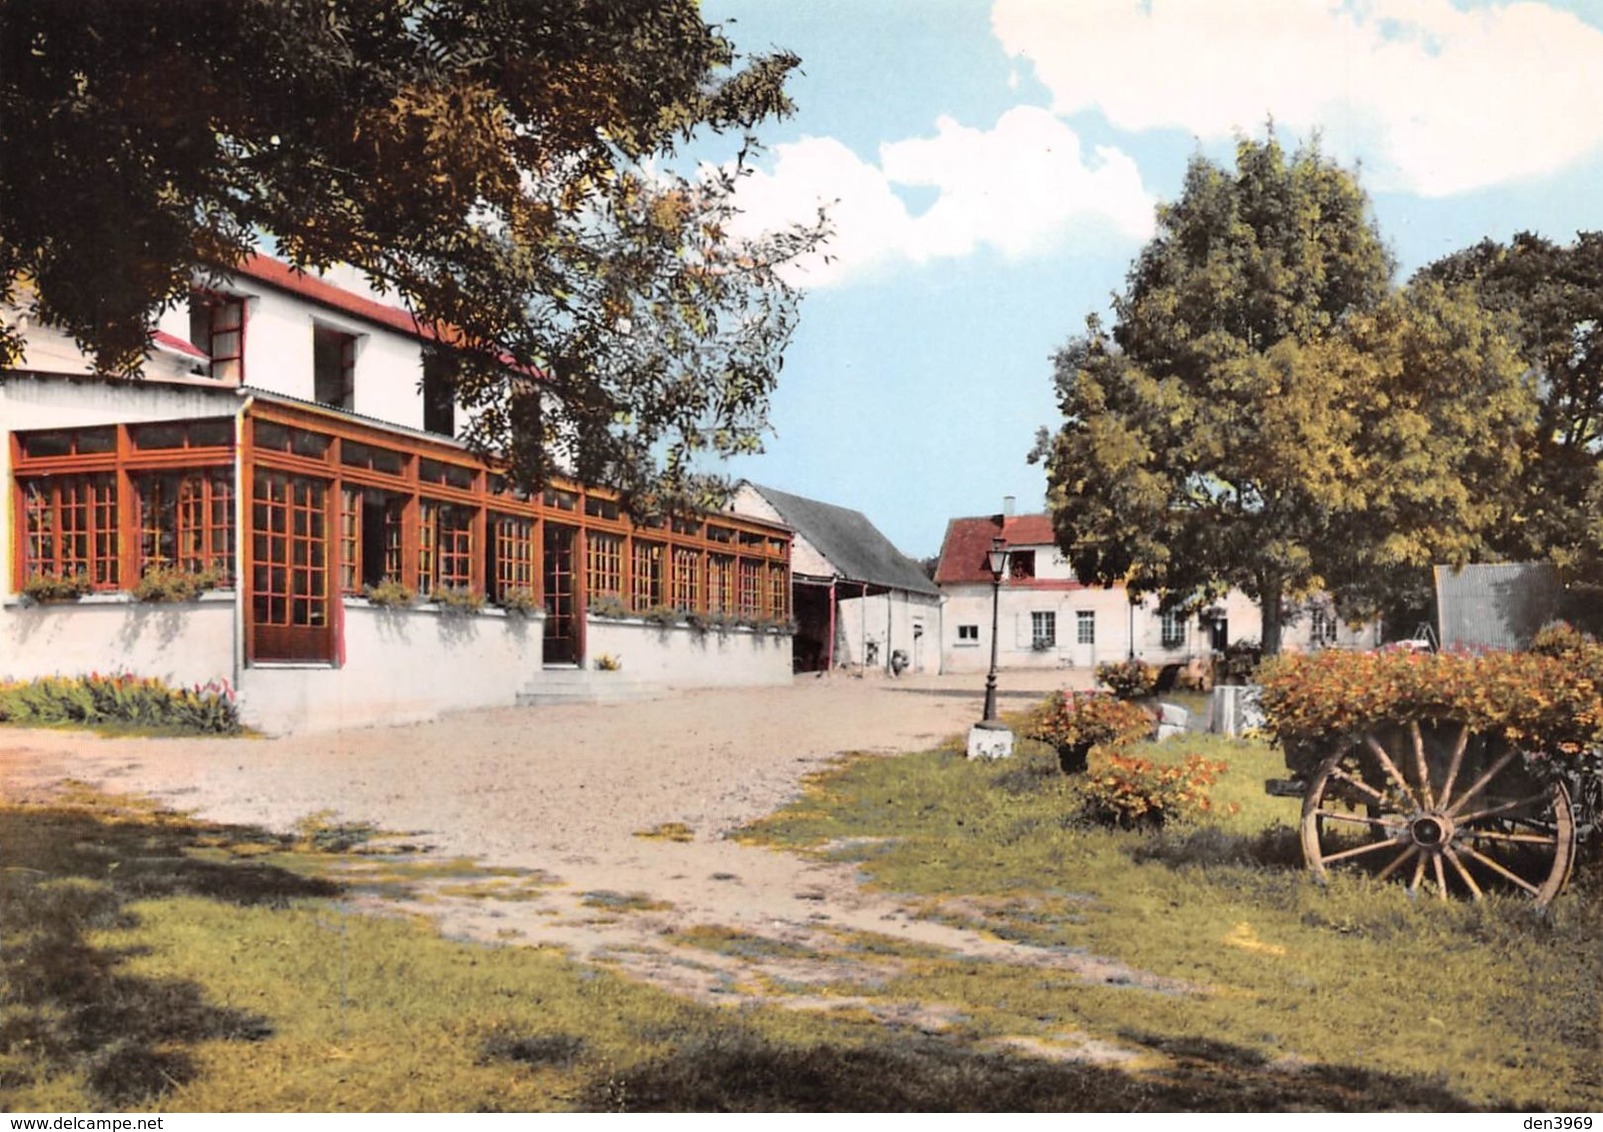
(290, 603)
(561, 609)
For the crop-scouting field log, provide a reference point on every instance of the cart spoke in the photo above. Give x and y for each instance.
(1480, 783)
(1359, 819)
(1359, 785)
(1419, 875)
(1498, 868)
(1419, 763)
(1452, 856)
(1390, 767)
(1456, 763)
(1347, 854)
(1506, 807)
(1522, 838)
(1401, 859)
(1441, 876)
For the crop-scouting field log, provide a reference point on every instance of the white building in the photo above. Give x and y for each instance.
(1048, 618)
(294, 439)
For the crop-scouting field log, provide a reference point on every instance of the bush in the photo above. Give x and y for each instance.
(47, 589)
(1128, 679)
(1133, 793)
(389, 594)
(1075, 722)
(173, 583)
(120, 698)
(606, 605)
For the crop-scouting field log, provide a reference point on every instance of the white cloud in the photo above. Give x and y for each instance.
(1436, 99)
(1023, 188)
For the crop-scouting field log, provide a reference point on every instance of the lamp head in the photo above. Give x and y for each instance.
(997, 558)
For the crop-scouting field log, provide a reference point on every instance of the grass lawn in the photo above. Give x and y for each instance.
(153, 962)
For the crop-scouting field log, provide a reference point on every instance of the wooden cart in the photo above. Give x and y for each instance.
(1445, 810)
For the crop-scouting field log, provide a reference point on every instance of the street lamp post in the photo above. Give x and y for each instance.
(997, 561)
(989, 738)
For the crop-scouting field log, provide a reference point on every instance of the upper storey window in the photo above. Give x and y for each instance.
(334, 367)
(439, 393)
(217, 327)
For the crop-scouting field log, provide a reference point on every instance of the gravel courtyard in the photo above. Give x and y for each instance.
(567, 791)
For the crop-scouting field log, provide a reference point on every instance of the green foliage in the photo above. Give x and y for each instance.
(1075, 723)
(1129, 792)
(1267, 413)
(390, 594)
(47, 589)
(174, 583)
(505, 168)
(120, 699)
(1128, 679)
(457, 600)
(1554, 296)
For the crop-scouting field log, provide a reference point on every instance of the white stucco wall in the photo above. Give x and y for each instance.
(400, 666)
(889, 621)
(182, 643)
(679, 657)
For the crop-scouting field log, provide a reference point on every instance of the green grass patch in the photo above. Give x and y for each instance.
(1496, 1004)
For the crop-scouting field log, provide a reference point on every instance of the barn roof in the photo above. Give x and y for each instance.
(853, 545)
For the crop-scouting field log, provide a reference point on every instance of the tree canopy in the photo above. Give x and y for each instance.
(502, 165)
(1269, 413)
(1554, 294)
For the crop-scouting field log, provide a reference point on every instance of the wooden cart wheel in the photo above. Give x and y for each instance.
(1441, 809)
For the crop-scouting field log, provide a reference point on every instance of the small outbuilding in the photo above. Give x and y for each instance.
(858, 602)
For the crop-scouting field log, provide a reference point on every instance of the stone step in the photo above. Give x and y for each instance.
(582, 686)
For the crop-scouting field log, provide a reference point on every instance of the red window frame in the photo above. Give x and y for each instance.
(70, 528)
(186, 520)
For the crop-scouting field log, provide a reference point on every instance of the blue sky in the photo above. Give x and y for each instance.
(991, 167)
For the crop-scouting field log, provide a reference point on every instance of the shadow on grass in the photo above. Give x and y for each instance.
(1276, 847)
(65, 1004)
(744, 1073)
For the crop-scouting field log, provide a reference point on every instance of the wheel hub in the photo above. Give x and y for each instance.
(1431, 830)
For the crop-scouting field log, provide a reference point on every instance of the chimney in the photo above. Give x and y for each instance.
(1007, 506)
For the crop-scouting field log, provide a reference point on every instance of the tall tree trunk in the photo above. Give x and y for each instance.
(1271, 600)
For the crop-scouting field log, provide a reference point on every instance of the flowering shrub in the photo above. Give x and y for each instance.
(1134, 793)
(389, 594)
(520, 602)
(1546, 705)
(1075, 722)
(1128, 679)
(457, 599)
(120, 698)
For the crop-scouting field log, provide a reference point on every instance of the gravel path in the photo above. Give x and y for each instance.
(566, 790)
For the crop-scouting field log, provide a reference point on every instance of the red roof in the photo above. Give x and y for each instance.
(178, 346)
(266, 269)
(969, 540)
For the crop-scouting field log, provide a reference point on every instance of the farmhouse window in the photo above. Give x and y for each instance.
(778, 592)
(186, 521)
(1043, 630)
(1021, 564)
(333, 367)
(1173, 628)
(371, 523)
(1085, 627)
(604, 565)
(750, 590)
(511, 567)
(439, 392)
(217, 329)
(444, 547)
(646, 576)
(71, 528)
(720, 583)
(968, 634)
(686, 578)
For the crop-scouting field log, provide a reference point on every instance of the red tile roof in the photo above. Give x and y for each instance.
(266, 269)
(178, 346)
(969, 540)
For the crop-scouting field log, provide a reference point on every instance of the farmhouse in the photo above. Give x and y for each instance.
(292, 448)
(1048, 618)
(857, 600)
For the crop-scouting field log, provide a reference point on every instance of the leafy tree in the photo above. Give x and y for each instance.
(503, 165)
(1268, 413)
(1554, 293)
